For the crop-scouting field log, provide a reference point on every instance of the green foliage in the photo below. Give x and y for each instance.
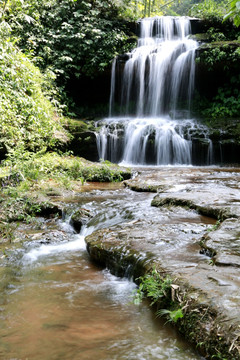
(219, 356)
(226, 100)
(153, 287)
(19, 208)
(181, 8)
(37, 166)
(7, 231)
(214, 34)
(233, 12)
(160, 291)
(213, 12)
(215, 226)
(226, 53)
(76, 38)
(209, 9)
(73, 38)
(211, 56)
(173, 315)
(225, 104)
(26, 114)
(144, 8)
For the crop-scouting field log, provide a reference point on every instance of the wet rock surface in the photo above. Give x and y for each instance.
(224, 243)
(79, 218)
(180, 235)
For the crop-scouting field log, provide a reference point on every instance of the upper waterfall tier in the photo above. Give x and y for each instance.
(159, 73)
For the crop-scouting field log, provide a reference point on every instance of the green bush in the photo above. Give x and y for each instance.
(27, 118)
(154, 287)
(38, 166)
(225, 104)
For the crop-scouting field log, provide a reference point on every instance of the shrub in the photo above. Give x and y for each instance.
(27, 118)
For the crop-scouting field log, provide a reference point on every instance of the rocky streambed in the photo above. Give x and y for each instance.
(181, 222)
(192, 235)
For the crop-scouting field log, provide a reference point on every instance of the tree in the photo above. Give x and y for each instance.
(72, 37)
(144, 8)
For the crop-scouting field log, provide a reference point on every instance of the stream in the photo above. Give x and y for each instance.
(56, 304)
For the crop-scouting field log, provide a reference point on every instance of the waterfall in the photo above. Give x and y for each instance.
(149, 112)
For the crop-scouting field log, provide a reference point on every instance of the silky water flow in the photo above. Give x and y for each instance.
(145, 125)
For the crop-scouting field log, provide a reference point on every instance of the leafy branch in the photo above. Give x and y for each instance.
(233, 12)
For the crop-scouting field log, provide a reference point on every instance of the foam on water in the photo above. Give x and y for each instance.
(76, 243)
(46, 249)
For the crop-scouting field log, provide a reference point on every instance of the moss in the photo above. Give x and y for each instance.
(202, 37)
(223, 129)
(78, 125)
(27, 184)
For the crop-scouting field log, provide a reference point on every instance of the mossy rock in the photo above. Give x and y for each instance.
(200, 37)
(78, 125)
(48, 209)
(83, 139)
(79, 218)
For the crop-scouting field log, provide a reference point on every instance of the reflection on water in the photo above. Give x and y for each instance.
(56, 304)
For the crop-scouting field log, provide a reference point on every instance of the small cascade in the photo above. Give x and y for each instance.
(153, 141)
(147, 123)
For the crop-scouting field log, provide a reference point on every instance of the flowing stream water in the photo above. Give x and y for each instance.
(56, 304)
(151, 95)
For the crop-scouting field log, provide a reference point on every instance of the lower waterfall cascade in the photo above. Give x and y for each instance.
(149, 119)
(153, 141)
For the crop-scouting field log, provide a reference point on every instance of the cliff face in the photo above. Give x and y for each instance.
(217, 62)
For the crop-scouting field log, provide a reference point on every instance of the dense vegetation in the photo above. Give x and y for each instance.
(203, 9)
(48, 45)
(70, 38)
(218, 60)
(28, 118)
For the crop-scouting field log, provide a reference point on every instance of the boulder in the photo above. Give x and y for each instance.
(79, 218)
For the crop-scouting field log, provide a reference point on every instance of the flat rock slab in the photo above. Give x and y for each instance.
(224, 243)
(212, 192)
(172, 237)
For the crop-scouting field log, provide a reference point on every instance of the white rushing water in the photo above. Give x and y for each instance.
(159, 71)
(77, 243)
(155, 141)
(155, 82)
